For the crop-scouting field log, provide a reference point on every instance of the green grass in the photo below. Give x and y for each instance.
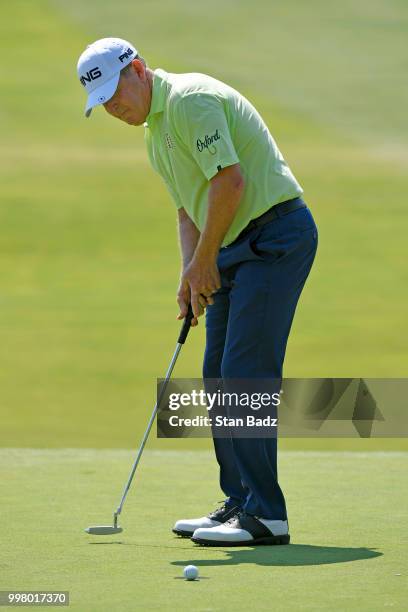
(89, 269)
(346, 511)
(88, 249)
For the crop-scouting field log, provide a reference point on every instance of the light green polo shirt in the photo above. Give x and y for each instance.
(198, 125)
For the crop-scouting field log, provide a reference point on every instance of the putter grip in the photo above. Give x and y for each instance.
(186, 325)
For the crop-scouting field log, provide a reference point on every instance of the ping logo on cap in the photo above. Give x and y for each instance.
(125, 55)
(91, 75)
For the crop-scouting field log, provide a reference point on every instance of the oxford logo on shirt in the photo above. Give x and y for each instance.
(207, 143)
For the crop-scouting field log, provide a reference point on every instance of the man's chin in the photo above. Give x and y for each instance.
(131, 121)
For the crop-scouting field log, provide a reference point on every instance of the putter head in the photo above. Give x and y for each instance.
(103, 530)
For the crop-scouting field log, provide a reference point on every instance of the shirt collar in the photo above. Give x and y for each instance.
(159, 93)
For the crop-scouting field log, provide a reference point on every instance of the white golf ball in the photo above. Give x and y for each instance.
(190, 572)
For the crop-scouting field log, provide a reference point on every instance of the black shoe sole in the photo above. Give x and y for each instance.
(268, 541)
(183, 534)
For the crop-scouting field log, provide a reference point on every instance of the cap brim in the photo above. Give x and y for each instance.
(101, 94)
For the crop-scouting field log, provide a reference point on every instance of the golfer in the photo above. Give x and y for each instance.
(247, 242)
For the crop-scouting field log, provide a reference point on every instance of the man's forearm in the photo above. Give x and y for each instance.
(189, 237)
(200, 277)
(223, 200)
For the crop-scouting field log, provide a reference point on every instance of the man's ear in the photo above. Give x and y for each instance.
(139, 68)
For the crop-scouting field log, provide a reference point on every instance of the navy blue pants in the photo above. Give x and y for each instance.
(247, 328)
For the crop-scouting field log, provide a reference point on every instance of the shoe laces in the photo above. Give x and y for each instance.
(235, 517)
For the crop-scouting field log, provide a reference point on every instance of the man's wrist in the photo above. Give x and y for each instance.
(206, 251)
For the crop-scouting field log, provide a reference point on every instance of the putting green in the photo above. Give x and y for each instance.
(347, 516)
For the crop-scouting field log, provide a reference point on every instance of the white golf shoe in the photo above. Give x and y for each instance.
(186, 527)
(243, 530)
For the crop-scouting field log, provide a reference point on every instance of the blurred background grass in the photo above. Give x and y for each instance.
(88, 247)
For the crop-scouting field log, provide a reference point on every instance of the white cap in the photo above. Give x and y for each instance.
(99, 69)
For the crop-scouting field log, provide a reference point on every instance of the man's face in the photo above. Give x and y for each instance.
(131, 100)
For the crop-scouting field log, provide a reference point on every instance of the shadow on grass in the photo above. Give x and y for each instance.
(291, 555)
(195, 579)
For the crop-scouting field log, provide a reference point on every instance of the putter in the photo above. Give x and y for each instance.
(115, 528)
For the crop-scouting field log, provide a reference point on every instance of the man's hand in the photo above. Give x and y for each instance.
(183, 299)
(198, 282)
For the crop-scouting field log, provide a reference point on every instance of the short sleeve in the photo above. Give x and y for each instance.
(202, 126)
(173, 194)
